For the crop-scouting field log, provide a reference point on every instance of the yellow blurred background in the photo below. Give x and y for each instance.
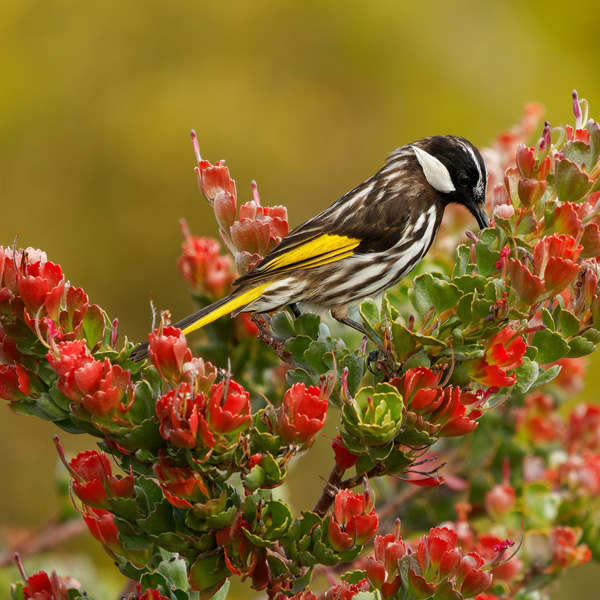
(307, 98)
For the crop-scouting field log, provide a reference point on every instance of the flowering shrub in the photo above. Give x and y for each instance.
(474, 357)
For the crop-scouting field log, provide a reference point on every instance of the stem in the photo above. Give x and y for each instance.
(329, 491)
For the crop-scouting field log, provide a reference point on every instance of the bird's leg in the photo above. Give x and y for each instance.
(295, 309)
(351, 323)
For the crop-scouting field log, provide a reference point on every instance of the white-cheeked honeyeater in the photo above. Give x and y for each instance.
(366, 241)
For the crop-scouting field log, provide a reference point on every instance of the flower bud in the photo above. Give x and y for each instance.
(302, 414)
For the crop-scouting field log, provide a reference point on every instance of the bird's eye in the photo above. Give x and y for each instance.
(463, 178)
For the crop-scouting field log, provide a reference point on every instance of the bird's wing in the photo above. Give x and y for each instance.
(332, 236)
(302, 251)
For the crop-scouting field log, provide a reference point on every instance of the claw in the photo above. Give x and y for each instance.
(373, 358)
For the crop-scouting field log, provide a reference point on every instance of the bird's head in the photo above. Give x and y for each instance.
(454, 168)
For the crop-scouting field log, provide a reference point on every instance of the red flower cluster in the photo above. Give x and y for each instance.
(504, 353)
(345, 590)
(258, 228)
(302, 414)
(189, 419)
(202, 267)
(104, 390)
(93, 481)
(443, 412)
(354, 520)
(440, 561)
(554, 268)
(34, 289)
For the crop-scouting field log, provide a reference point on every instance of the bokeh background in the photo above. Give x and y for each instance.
(307, 98)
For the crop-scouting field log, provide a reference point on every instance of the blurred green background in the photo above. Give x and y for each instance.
(307, 98)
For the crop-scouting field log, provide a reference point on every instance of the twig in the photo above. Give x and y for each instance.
(329, 491)
(49, 536)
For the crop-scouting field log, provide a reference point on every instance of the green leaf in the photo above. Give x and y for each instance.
(526, 374)
(570, 182)
(465, 352)
(308, 324)
(369, 311)
(418, 359)
(430, 291)
(593, 335)
(93, 326)
(297, 346)
(551, 346)
(569, 323)
(462, 258)
(463, 309)
(175, 571)
(547, 376)
(579, 346)
(470, 283)
(403, 341)
(547, 320)
(208, 573)
(578, 152)
(486, 258)
(594, 130)
(282, 325)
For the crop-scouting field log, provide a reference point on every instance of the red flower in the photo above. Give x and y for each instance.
(537, 421)
(346, 591)
(487, 546)
(554, 261)
(42, 284)
(102, 526)
(504, 353)
(214, 180)
(103, 389)
(437, 554)
(199, 374)
(583, 432)
(565, 549)
(354, 520)
(202, 267)
(151, 594)
(93, 481)
(40, 586)
(500, 500)
(302, 414)
(181, 486)
(168, 351)
(531, 168)
(382, 569)
(177, 411)
(230, 413)
(471, 580)
(344, 459)
(444, 408)
(14, 382)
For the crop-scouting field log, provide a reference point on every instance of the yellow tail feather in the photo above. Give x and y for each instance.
(238, 301)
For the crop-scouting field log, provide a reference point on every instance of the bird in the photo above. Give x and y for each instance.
(365, 242)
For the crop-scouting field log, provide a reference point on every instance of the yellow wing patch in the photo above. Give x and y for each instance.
(314, 253)
(233, 304)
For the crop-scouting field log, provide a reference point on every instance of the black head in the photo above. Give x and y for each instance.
(454, 168)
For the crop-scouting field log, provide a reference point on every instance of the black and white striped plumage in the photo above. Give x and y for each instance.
(368, 240)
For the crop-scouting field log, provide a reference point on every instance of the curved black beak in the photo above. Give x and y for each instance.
(481, 216)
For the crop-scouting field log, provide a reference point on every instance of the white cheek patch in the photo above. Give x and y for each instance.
(436, 173)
